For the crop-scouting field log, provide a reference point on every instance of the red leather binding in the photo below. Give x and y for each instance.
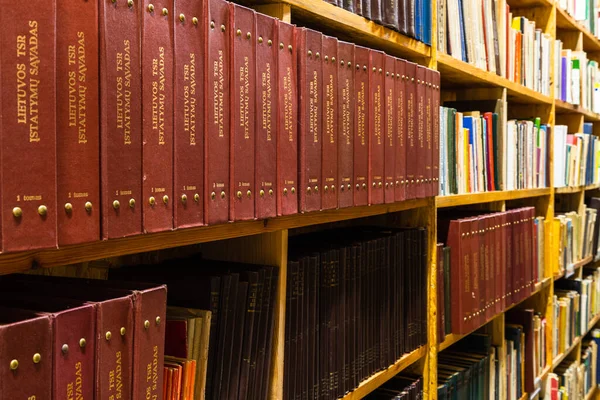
(242, 34)
(345, 124)
(361, 126)
(489, 267)
(22, 335)
(188, 134)
(497, 271)
(329, 197)
(435, 84)
(401, 128)
(266, 122)
(376, 126)
(77, 119)
(390, 126)
(216, 105)
(420, 117)
(460, 274)
(287, 115)
(412, 159)
(28, 131)
(310, 87)
(428, 184)
(157, 111)
(474, 240)
(120, 119)
(503, 262)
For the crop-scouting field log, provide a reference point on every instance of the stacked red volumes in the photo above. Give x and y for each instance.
(492, 264)
(287, 117)
(329, 197)
(401, 129)
(376, 126)
(266, 97)
(345, 116)
(428, 115)
(188, 134)
(28, 132)
(216, 106)
(435, 94)
(390, 126)
(361, 126)
(242, 147)
(77, 118)
(419, 119)
(310, 114)
(157, 111)
(120, 119)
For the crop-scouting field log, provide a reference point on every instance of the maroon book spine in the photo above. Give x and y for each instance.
(460, 275)
(120, 119)
(28, 130)
(287, 117)
(188, 134)
(310, 115)
(390, 126)
(428, 184)
(420, 134)
(266, 122)
(329, 197)
(77, 119)
(412, 159)
(345, 117)
(376, 126)
(345, 124)
(361, 126)
(216, 106)
(474, 239)
(401, 128)
(435, 85)
(157, 112)
(242, 34)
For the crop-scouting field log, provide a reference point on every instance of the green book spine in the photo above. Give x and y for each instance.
(453, 185)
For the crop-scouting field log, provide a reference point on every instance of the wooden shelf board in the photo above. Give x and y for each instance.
(353, 27)
(373, 382)
(516, 4)
(566, 22)
(593, 186)
(455, 200)
(21, 261)
(577, 265)
(452, 338)
(590, 394)
(566, 108)
(568, 189)
(544, 373)
(577, 340)
(458, 73)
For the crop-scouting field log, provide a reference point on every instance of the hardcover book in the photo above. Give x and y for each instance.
(346, 130)
(361, 126)
(376, 126)
(329, 197)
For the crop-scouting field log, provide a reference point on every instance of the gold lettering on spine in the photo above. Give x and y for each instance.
(313, 104)
(218, 95)
(346, 113)
(189, 99)
(245, 97)
(420, 132)
(361, 108)
(123, 86)
(115, 379)
(77, 78)
(390, 117)
(428, 127)
(27, 71)
(158, 95)
(329, 118)
(377, 113)
(287, 104)
(266, 100)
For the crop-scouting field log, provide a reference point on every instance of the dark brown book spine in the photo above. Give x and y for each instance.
(366, 9)
(390, 13)
(329, 197)
(361, 126)
(349, 5)
(250, 333)
(410, 18)
(266, 122)
(77, 117)
(345, 124)
(402, 17)
(236, 353)
(376, 127)
(376, 11)
(390, 126)
(401, 131)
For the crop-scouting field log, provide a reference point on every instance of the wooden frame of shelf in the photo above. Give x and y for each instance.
(567, 108)
(566, 22)
(456, 200)
(576, 266)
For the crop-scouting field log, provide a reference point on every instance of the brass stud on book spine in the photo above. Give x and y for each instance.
(123, 331)
(82, 343)
(196, 197)
(152, 200)
(69, 208)
(184, 198)
(116, 204)
(195, 21)
(14, 364)
(166, 199)
(182, 17)
(150, 7)
(131, 203)
(88, 206)
(157, 320)
(108, 335)
(17, 212)
(146, 324)
(65, 348)
(42, 210)
(165, 12)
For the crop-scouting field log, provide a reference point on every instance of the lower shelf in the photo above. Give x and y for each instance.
(576, 342)
(375, 381)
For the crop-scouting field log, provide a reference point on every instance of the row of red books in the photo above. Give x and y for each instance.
(493, 263)
(195, 113)
(84, 339)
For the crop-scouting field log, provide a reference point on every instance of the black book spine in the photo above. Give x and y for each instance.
(348, 5)
(312, 366)
(256, 332)
(323, 345)
(366, 9)
(229, 336)
(401, 286)
(292, 273)
(270, 328)
(240, 323)
(353, 317)
(423, 278)
(376, 12)
(301, 349)
(402, 16)
(250, 333)
(410, 18)
(221, 335)
(262, 371)
(343, 318)
(335, 349)
(215, 302)
(390, 13)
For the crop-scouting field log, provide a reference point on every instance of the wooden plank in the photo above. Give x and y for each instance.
(591, 393)
(456, 200)
(566, 22)
(373, 382)
(22, 261)
(515, 4)
(563, 107)
(568, 189)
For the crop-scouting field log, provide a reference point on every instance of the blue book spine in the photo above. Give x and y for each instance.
(563, 79)
(596, 338)
(462, 31)
(588, 128)
(419, 20)
(428, 16)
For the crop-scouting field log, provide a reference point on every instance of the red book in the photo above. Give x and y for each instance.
(376, 126)
(390, 126)
(120, 119)
(266, 122)
(473, 240)
(157, 111)
(287, 117)
(498, 268)
(401, 130)
(530, 244)
(361, 126)
(435, 84)
(77, 119)
(329, 197)
(310, 86)
(28, 132)
(489, 151)
(460, 274)
(489, 267)
(504, 259)
(481, 273)
(242, 34)
(26, 358)
(188, 134)
(428, 183)
(509, 242)
(345, 117)
(216, 106)
(412, 159)
(419, 120)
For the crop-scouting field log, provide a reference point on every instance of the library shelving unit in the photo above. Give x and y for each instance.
(266, 241)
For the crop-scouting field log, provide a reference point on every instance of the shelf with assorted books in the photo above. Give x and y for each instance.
(456, 200)
(558, 359)
(571, 270)
(566, 22)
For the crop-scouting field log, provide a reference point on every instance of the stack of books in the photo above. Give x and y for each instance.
(576, 157)
(355, 304)
(578, 79)
(586, 12)
(573, 379)
(575, 237)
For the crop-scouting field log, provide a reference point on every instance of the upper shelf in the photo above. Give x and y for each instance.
(456, 200)
(459, 73)
(566, 22)
(567, 108)
(575, 189)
